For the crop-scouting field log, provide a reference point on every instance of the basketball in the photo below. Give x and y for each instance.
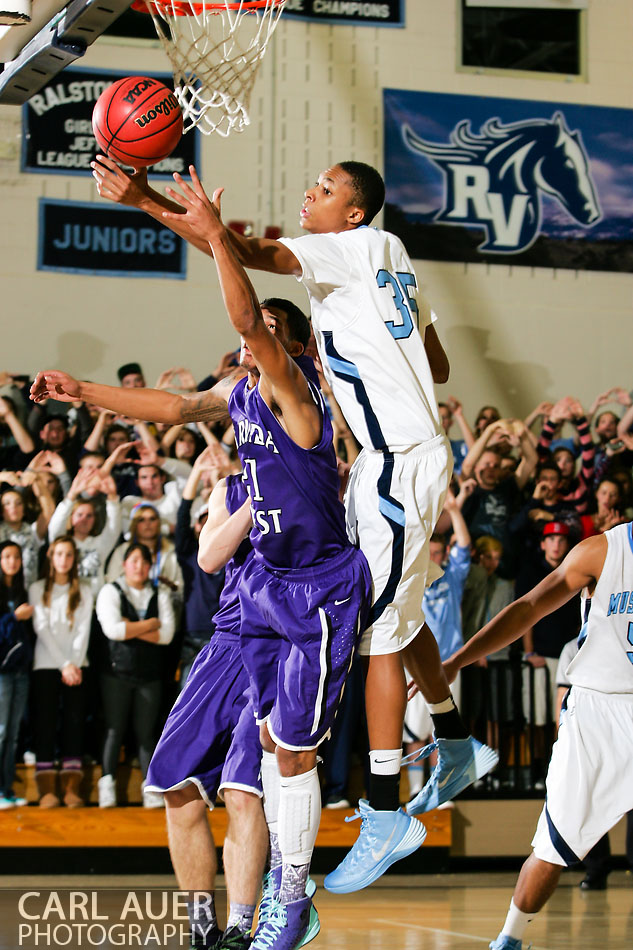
(137, 121)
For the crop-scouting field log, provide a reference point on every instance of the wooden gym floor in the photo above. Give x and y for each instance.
(431, 912)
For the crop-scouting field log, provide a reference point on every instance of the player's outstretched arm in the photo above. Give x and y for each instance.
(194, 215)
(135, 191)
(222, 533)
(152, 405)
(581, 568)
(281, 382)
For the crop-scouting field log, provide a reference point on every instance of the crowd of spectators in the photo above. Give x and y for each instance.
(103, 606)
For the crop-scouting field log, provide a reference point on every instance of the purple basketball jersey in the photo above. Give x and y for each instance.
(298, 518)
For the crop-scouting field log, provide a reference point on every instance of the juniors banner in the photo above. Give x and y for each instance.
(477, 179)
(354, 12)
(80, 237)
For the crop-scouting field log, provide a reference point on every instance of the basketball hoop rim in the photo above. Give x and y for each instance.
(196, 7)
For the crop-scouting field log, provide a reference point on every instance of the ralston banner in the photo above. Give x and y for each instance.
(57, 126)
(80, 237)
(353, 12)
(478, 179)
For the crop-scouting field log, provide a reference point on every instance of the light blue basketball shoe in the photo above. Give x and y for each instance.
(460, 762)
(385, 837)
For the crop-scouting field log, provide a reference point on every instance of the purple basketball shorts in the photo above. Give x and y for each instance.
(210, 737)
(300, 630)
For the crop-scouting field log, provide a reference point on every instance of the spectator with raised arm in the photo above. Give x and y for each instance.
(575, 488)
(28, 528)
(16, 444)
(47, 462)
(76, 516)
(451, 411)
(57, 434)
(545, 505)
(503, 436)
(540, 412)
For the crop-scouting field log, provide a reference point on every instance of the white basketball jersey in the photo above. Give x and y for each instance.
(369, 321)
(605, 660)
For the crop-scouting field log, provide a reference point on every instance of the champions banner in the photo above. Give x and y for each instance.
(353, 12)
(478, 179)
(57, 126)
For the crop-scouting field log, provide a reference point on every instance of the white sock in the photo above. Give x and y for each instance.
(447, 705)
(516, 922)
(299, 816)
(385, 761)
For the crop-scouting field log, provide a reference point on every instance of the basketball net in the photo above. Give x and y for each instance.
(215, 50)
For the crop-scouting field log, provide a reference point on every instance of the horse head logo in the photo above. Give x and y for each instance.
(494, 179)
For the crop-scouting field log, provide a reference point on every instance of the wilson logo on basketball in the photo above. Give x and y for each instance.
(138, 90)
(168, 105)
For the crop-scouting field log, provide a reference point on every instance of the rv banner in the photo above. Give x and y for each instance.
(478, 179)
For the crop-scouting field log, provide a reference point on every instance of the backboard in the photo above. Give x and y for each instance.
(59, 33)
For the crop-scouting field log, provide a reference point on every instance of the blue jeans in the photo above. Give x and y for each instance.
(14, 692)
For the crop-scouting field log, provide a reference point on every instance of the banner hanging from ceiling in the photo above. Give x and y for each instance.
(351, 12)
(490, 180)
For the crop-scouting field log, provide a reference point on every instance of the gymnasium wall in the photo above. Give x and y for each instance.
(515, 336)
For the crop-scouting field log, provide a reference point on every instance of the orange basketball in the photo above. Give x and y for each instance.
(137, 121)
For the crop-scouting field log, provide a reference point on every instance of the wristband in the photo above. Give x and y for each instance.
(532, 653)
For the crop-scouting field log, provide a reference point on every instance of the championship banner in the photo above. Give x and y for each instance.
(485, 180)
(352, 12)
(79, 237)
(57, 128)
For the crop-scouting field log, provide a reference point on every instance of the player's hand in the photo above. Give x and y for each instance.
(412, 689)
(535, 660)
(56, 385)
(201, 214)
(119, 186)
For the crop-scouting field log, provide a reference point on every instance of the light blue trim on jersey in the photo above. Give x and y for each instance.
(630, 534)
(389, 510)
(343, 367)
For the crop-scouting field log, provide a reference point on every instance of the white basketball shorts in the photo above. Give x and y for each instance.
(393, 502)
(590, 777)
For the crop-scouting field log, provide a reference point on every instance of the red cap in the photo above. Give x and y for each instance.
(555, 527)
